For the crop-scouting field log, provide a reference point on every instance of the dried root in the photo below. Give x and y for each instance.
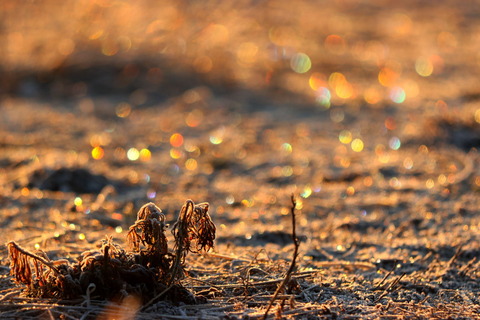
(149, 271)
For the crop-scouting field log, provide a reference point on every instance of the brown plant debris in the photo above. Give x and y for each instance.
(288, 275)
(148, 271)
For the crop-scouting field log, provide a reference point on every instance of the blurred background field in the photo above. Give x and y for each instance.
(374, 53)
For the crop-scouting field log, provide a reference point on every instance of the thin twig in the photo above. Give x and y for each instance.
(390, 288)
(296, 244)
(10, 294)
(252, 284)
(345, 264)
(377, 287)
(226, 257)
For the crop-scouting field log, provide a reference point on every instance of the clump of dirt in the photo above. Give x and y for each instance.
(150, 271)
(464, 135)
(76, 180)
(454, 131)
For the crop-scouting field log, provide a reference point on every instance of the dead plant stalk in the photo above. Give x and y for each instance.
(290, 270)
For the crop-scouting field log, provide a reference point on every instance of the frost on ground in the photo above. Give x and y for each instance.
(369, 114)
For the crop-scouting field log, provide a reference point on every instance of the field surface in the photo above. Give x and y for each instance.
(367, 112)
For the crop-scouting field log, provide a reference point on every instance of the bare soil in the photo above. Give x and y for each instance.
(106, 106)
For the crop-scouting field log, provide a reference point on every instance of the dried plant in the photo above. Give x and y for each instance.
(194, 226)
(195, 222)
(150, 270)
(149, 229)
(50, 279)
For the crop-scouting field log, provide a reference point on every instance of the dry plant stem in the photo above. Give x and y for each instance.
(181, 234)
(377, 287)
(296, 244)
(390, 288)
(13, 246)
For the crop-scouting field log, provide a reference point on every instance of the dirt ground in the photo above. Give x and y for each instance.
(369, 113)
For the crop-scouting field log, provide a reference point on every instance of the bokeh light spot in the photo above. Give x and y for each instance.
(430, 183)
(194, 118)
(424, 67)
(337, 115)
(203, 64)
(307, 192)
(133, 154)
(477, 116)
(145, 155)
(477, 181)
(335, 79)
(350, 191)
(390, 123)
(110, 47)
(397, 95)
(230, 199)
(316, 81)
(395, 183)
(442, 179)
(408, 163)
(357, 145)
(300, 63)
(97, 153)
(216, 139)
(372, 95)
(215, 34)
(345, 137)
(287, 147)
(191, 164)
(338, 82)
(193, 149)
(387, 77)
(368, 181)
(78, 201)
(381, 153)
(123, 110)
(335, 44)
(344, 90)
(25, 191)
(151, 194)
(287, 171)
(175, 153)
(394, 143)
(176, 140)
(323, 97)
